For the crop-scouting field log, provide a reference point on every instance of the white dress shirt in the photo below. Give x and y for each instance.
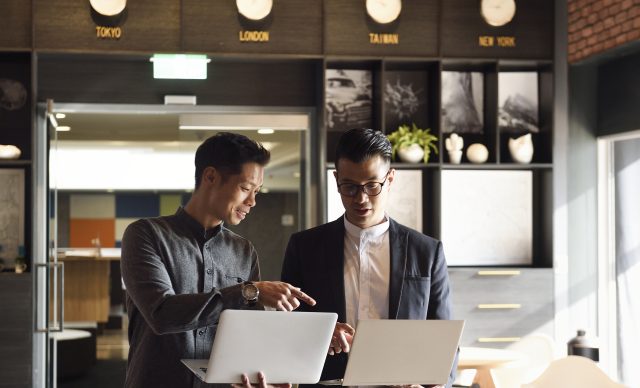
(367, 266)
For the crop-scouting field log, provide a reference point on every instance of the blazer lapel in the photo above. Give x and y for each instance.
(335, 266)
(398, 246)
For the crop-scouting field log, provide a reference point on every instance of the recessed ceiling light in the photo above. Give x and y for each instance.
(60, 115)
(265, 131)
(63, 128)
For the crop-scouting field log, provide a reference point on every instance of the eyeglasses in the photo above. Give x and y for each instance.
(370, 188)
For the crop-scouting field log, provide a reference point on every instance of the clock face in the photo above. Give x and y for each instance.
(498, 12)
(254, 9)
(108, 7)
(384, 11)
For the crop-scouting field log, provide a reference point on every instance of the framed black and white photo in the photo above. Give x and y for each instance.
(405, 99)
(403, 205)
(462, 102)
(518, 102)
(11, 214)
(487, 217)
(348, 96)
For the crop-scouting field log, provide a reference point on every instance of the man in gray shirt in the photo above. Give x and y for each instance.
(181, 271)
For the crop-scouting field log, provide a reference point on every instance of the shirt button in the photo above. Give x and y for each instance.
(209, 271)
(200, 332)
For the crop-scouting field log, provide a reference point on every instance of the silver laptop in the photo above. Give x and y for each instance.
(401, 352)
(289, 347)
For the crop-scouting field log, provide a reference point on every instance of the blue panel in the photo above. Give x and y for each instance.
(137, 205)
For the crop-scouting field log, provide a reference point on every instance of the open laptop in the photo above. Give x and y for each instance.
(401, 352)
(289, 347)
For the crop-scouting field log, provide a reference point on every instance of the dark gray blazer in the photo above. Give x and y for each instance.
(418, 285)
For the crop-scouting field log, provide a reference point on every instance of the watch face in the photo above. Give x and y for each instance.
(250, 292)
(254, 9)
(498, 12)
(108, 7)
(384, 11)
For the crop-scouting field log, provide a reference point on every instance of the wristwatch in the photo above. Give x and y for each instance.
(250, 293)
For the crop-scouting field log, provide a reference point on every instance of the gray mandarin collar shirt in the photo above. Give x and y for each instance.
(179, 277)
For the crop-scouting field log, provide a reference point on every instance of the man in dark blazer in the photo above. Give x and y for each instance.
(365, 265)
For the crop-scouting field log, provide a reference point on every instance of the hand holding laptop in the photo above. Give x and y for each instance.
(282, 296)
(341, 339)
(262, 382)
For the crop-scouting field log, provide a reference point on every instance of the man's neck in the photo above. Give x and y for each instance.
(197, 209)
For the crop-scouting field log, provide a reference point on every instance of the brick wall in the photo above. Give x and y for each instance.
(596, 26)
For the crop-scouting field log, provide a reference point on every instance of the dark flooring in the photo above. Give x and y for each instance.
(105, 374)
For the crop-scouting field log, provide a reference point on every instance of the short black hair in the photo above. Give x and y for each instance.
(360, 144)
(227, 152)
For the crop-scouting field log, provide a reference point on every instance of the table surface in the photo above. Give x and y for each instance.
(486, 358)
(69, 334)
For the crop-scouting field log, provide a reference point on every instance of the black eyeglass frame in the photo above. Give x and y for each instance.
(363, 187)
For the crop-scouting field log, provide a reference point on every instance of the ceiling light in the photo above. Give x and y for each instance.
(60, 115)
(180, 66)
(239, 121)
(63, 128)
(266, 131)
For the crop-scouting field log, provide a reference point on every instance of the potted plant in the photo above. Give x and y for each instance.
(411, 144)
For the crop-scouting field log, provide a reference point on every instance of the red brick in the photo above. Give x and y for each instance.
(603, 13)
(598, 47)
(609, 43)
(633, 35)
(615, 8)
(597, 6)
(615, 31)
(587, 32)
(620, 39)
(598, 27)
(627, 4)
(609, 22)
(627, 25)
(621, 17)
(581, 44)
(636, 22)
(592, 18)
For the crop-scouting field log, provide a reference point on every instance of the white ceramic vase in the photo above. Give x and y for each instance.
(477, 153)
(521, 149)
(411, 154)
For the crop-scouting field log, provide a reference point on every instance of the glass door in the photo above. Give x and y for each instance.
(48, 271)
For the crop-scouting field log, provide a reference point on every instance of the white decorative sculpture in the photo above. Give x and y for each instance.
(521, 149)
(454, 144)
(477, 153)
(9, 152)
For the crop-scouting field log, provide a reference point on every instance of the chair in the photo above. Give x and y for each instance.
(539, 349)
(573, 371)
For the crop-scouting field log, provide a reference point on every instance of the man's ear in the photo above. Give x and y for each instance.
(392, 174)
(210, 176)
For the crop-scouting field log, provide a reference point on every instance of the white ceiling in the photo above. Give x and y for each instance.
(158, 133)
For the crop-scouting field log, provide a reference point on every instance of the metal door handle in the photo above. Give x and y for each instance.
(50, 326)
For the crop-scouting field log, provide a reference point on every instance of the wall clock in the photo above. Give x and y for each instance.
(254, 9)
(108, 7)
(384, 11)
(497, 12)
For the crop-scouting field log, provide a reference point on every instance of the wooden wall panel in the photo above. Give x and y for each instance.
(294, 26)
(122, 80)
(16, 330)
(347, 29)
(15, 24)
(150, 25)
(532, 28)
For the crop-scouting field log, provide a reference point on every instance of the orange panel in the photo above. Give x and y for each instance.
(82, 231)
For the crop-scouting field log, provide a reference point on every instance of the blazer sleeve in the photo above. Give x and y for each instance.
(440, 299)
(291, 264)
(440, 293)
